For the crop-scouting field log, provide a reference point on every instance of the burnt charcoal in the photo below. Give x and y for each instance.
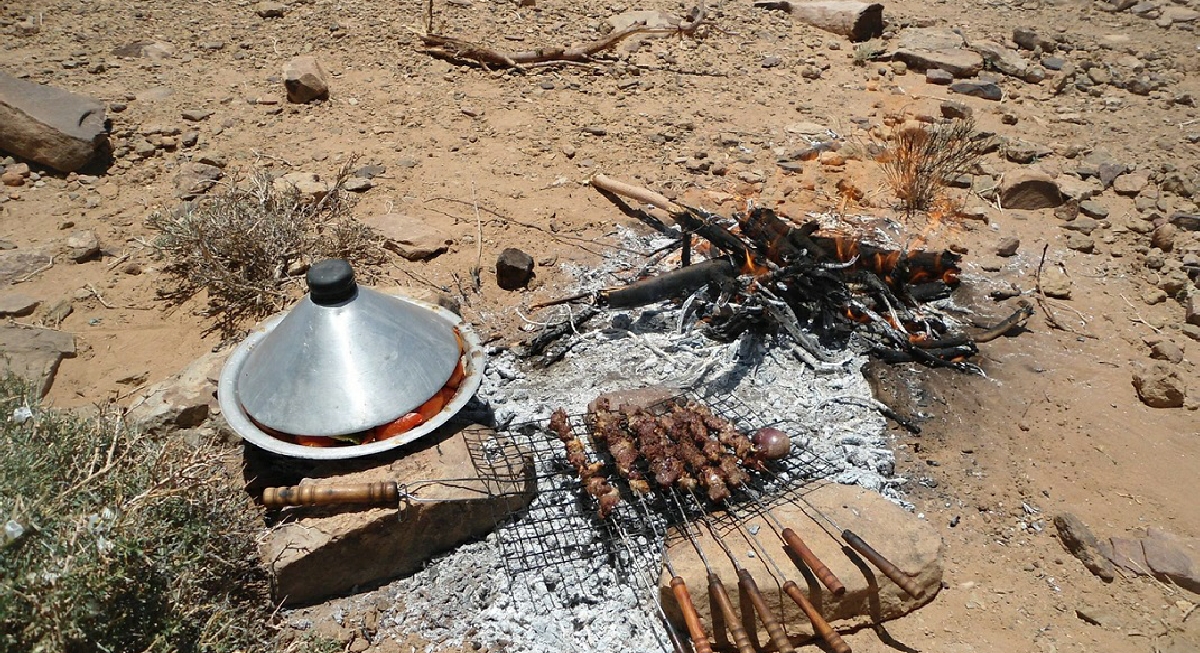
(929, 292)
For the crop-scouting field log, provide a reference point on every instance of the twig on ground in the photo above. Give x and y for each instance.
(454, 49)
(35, 272)
(96, 293)
(1044, 303)
(477, 269)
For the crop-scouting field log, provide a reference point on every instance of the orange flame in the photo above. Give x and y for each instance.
(750, 267)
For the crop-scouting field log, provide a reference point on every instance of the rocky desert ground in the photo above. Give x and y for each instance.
(1087, 202)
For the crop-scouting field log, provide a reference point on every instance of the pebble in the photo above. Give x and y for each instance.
(1159, 386)
(938, 77)
(196, 115)
(979, 89)
(1008, 246)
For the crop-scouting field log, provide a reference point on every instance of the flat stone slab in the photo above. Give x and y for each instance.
(49, 125)
(320, 553)
(870, 597)
(35, 354)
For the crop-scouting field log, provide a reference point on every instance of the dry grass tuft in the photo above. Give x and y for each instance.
(921, 161)
(247, 245)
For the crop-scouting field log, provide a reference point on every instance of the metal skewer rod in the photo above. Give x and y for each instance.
(671, 634)
(718, 594)
(746, 584)
(820, 626)
(798, 547)
(901, 579)
(679, 588)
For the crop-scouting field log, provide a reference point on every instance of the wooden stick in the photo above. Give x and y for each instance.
(818, 568)
(820, 626)
(637, 193)
(329, 495)
(716, 590)
(750, 589)
(883, 564)
(690, 616)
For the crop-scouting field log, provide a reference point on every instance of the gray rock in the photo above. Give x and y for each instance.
(1024, 152)
(53, 127)
(1131, 183)
(358, 184)
(1164, 237)
(925, 48)
(183, 401)
(370, 171)
(979, 89)
(1191, 309)
(413, 237)
(1126, 553)
(1035, 74)
(1027, 39)
(82, 245)
(18, 264)
(14, 304)
(35, 354)
(1054, 63)
(305, 80)
(270, 9)
(1093, 209)
(1008, 246)
(939, 77)
(196, 115)
(307, 184)
(1029, 190)
(153, 50)
(1083, 225)
(956, 110)
(1080, 243)
(1186, 221)
(195, 178)
(1162, 349)
(1079, 540)
(1173, 558)
(1001, 59)
(1159, 386)
(1179, 14)
(514, 269)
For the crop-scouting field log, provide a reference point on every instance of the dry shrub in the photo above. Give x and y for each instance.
(921, 161)
(114, 541)
(246, 244)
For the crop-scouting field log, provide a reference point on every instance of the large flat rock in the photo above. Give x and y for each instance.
(870, 597)
(34, 354)
(926, 48)
(314, 556)
(53, 127)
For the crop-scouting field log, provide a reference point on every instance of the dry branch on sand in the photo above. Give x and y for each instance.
(459, 50)
(920, 161)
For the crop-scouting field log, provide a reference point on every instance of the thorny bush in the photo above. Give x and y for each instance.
(247, 244)
(921, 161)
(113, 541)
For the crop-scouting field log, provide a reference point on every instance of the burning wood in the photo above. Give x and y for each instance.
(827, 292)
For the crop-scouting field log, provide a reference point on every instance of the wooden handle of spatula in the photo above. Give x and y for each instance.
(690, 616)
(750, 588)
(818, 568)
(716, 589)
(883, 564)
(820, 626)
(331, 495)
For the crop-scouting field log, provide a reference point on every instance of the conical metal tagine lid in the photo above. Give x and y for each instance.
(345, 359)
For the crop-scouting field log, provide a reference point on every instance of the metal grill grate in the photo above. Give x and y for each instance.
(560, 546)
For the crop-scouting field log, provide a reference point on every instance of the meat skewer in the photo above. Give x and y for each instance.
(590, 474)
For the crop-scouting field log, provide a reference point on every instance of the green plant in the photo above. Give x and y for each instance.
(920, 161)
(246, 244)
(114, 541)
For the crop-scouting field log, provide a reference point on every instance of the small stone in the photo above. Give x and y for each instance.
(771, 62)
(938, 77)
(196, 115)
(1093, 615)
(195, 178)
(358, 184)
(370, 171)
(471, 111)
(1131, 183)
(307, 184)
(1093, 209)
(594, 130)
(305, 80)
(1081, 243)
(1166, 350)
(1056, 285)
(1024, 152)
(1084, 226)
(514, 269)
(270, 9)
(1079, 540)
(1008, 246)
(1164, 237)
(1191, 309)
(1126, 553)
(1159, 386)
(9, 178)
(82, 245)
(979, 89)
(1054, 63)
(1173, 558)
(14, 304)
(956, 110)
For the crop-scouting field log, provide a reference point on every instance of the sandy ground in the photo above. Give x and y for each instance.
(1054, 426)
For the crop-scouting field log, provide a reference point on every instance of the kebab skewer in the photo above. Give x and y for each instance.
(591, 474)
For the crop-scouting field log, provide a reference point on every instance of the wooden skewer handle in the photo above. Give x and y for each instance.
(740, 638)
(883, 564)
(690, 616)
(330, 495)
(820, 626)
(779, 638)
(818, 568)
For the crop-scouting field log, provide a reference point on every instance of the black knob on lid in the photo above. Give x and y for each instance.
(331, 282)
